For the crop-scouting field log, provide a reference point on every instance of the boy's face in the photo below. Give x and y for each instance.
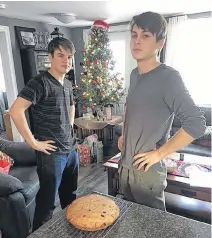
(61, 61)
(143, 44)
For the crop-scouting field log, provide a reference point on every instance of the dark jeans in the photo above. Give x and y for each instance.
(57, 173)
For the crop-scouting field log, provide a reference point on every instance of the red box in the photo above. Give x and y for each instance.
(4, 166)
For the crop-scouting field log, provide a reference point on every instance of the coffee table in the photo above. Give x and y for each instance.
(104, 129)
(194, 188)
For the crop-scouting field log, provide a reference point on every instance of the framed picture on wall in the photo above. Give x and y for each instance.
(42, 40)
(25, 37)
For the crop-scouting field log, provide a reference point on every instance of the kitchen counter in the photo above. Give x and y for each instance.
(135, 221)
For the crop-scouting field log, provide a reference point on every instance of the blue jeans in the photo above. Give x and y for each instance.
(57, 173)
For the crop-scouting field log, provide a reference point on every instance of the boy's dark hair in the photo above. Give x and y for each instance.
(152, 22)
(58, 42)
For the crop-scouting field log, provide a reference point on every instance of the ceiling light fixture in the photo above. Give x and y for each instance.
(65, 18)
(2, 6)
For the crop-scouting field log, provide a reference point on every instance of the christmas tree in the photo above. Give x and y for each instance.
(99, 85)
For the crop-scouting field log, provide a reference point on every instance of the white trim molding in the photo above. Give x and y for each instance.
(9, 73)
(119, 28)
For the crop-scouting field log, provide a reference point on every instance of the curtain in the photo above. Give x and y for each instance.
(173, 36)
(189, 51)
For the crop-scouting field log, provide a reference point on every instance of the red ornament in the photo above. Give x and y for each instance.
(122, 79)
(101, 95)
(87, 62)
(92, 36)
(105, 64)
(94, 82)
(83, 107)
(83, 50)
(96, 60)
(113, 100)
(100, 44)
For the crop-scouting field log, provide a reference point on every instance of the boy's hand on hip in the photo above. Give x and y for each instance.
(44, 146)
(146, 159)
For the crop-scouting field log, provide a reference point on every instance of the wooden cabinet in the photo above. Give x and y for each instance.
(8, 127)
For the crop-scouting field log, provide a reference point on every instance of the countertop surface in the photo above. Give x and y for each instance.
(135, 221)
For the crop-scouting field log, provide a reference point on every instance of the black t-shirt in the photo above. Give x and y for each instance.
(51, 103)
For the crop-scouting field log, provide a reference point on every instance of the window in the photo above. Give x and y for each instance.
(118, 49)
(192, 57)
(120, 46)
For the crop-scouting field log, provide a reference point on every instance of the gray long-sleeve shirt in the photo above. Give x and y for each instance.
(153, 100)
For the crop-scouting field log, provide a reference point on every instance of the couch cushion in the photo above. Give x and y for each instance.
(205, 137)
(202, 139)
(188, 207)
(9, 184)
(196, 150)
(29, 178)
(205, 143)
(20, 152)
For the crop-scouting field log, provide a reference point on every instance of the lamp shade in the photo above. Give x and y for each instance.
(56, 33)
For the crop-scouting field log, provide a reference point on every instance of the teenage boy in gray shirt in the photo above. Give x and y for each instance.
(155, 96)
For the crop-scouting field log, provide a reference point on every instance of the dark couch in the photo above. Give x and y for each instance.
(18, 190)
(201, 146)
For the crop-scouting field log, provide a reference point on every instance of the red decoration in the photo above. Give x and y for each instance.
(94, 82)
(113, 100)
(105, 64)
(83, 50)
(122, 79)
(101, 95)
(5, 163)
(100, 24)
(4, 166)
(96, 60)
(84, 95)
(84, 154)
(100, 44)
(92, 36)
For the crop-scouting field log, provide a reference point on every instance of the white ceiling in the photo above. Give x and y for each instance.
(113, 11)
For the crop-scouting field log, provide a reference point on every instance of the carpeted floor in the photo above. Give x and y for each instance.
(91, 178)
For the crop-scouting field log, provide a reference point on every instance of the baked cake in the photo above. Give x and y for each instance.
(92, 212)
